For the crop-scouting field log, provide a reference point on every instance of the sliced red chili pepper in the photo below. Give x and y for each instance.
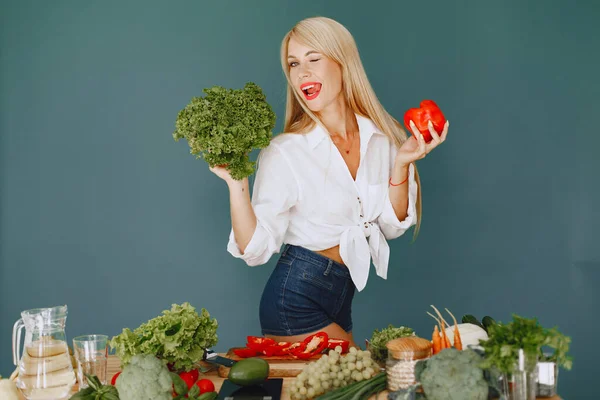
(113, 381)
(245, 352)
(259, 343)
(333, 343)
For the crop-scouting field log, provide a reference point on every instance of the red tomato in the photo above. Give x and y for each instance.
(190, 377)
(428, 111)
(205, 386)
(113, 381)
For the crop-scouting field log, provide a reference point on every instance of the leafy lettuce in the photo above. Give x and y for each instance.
(226, 125)
(178, 337)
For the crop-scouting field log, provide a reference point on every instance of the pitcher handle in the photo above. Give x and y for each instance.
(16, 338)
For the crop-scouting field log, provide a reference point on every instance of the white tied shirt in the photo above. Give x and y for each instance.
(304, 195)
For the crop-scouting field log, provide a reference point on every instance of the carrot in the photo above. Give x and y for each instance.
(447, 324)
(437, 340)
(444, 344)
(446, 341)
(457, 340)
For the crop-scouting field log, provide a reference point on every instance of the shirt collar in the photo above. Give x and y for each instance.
(366, 129)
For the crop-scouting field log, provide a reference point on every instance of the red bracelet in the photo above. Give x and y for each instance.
(391, 184)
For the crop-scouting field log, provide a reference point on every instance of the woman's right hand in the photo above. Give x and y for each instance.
(222, 172)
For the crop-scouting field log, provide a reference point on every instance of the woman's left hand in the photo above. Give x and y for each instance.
(415, 148)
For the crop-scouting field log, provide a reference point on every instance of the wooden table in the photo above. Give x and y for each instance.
(114, 367)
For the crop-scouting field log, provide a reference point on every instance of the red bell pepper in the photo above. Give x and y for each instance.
(259, 343)
(312, 345)
(277, 349)
(333, 343)
(428, 111)
(296, 346)
(245, 352)
(317, 342)
(298, 350)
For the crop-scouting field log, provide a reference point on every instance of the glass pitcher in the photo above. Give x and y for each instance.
(45, 369)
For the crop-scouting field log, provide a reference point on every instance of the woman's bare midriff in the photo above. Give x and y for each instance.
(333, 253)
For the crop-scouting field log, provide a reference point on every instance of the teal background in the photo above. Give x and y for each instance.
(101, 210)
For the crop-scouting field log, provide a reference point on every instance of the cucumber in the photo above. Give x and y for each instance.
(249, 371)
(470, 319)
(487, 321)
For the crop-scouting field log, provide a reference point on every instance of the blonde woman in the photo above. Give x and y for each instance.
(333, 189)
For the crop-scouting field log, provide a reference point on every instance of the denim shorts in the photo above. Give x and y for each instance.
(306, 292)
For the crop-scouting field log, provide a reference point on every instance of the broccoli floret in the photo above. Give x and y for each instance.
(145, 378)
(454, 375)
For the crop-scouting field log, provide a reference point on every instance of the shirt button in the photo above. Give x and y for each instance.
(367, 230)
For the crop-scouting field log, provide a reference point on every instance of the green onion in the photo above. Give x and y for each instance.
(357, 390)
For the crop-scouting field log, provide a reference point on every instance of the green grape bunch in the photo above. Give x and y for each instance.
(332, 371)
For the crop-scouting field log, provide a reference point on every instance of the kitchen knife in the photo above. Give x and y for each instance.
(213, 358)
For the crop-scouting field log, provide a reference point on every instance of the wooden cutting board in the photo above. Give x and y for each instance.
(279, 366)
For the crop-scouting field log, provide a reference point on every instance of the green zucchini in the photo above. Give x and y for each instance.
(487, 321)
(470, 319)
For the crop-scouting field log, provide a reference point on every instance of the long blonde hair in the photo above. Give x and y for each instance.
(333, 40)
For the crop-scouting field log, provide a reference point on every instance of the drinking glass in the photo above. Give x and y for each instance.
(91, 353)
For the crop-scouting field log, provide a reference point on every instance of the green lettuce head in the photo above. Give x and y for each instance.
(178, 337)
(226, 125)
